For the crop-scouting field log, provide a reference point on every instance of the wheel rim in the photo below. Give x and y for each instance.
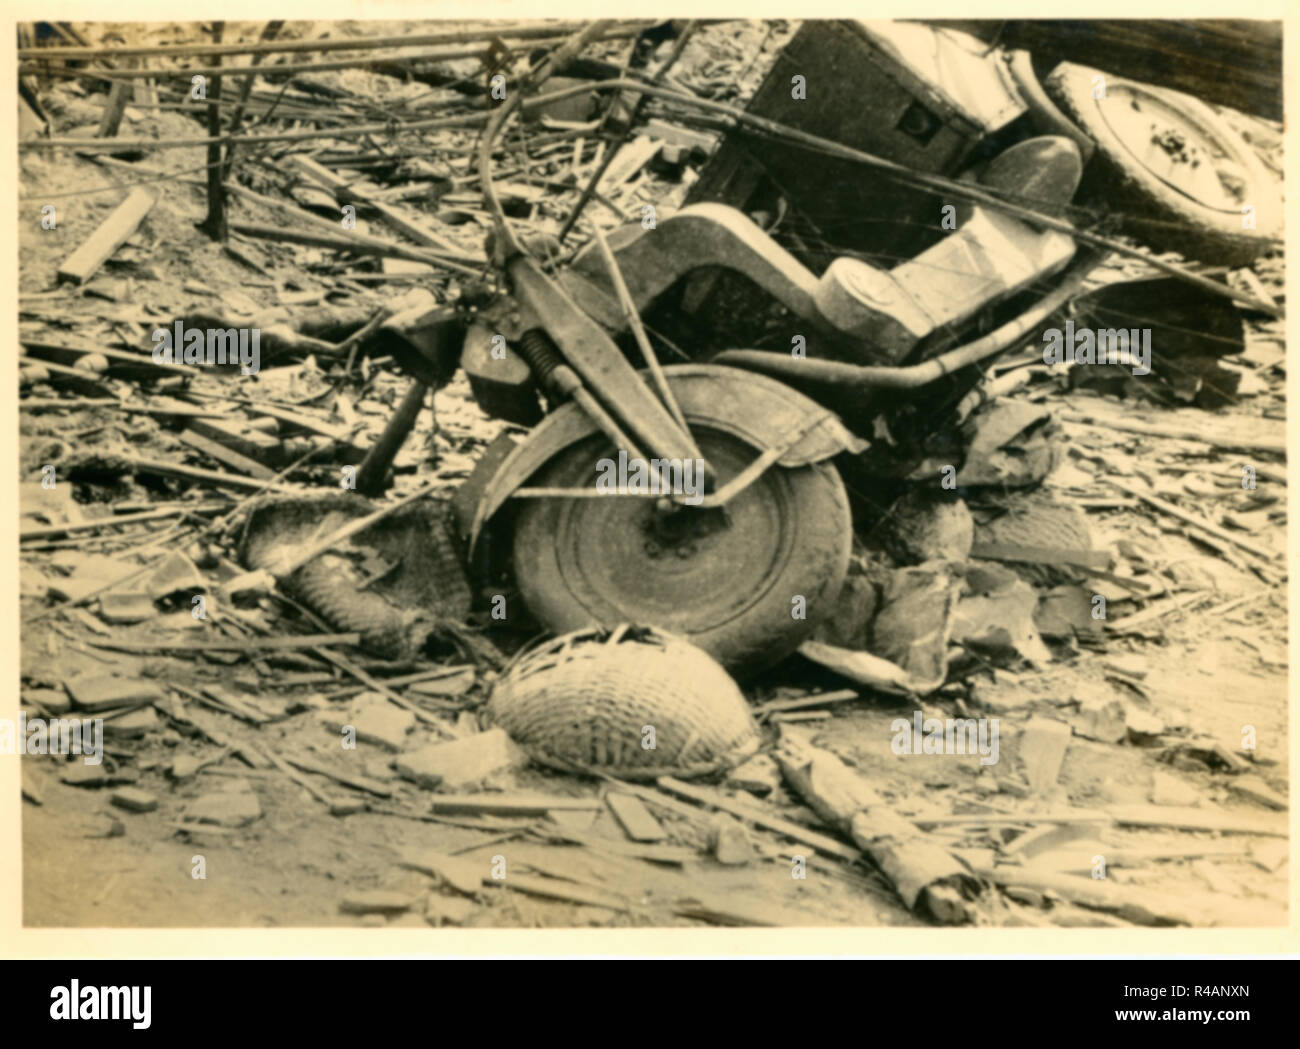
(692, 573)
(1185, 153)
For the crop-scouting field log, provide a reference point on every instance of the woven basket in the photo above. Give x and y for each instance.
(582, 703)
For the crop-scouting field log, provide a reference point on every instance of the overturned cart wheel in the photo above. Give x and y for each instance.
(747, 582)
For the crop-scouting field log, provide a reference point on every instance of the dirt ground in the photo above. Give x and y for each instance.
(1207, 671)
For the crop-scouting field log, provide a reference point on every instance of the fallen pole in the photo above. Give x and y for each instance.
(1192, 519)
(49, 531)
(527, 31)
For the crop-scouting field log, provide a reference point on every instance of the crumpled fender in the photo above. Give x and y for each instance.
(760, 411)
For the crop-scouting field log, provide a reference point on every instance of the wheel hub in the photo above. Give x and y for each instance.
(1173, 146)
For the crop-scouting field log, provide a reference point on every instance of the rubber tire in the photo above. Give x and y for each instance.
(1116, 178)
(802, 511)
(1045, 117)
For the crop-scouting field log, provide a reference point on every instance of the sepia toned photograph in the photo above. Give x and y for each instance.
(651, 473)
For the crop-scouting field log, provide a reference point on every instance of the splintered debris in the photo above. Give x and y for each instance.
(760, 817)
(1138, 905)
(1199, 819)
(176, 573)
(1043, 839)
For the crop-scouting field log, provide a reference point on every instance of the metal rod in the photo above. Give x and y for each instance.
(638, 330)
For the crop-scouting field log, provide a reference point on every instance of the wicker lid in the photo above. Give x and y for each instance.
(633, 702)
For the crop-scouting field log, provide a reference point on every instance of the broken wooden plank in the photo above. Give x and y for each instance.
(461, 874)
(509, 804)
(239, 437)
(628, 161)
(118, 97)
(112, 233)
(1199, 819)
(226, 455)
(194, 473)
(274, 644)
(403, 221)
(551, 888)
(83, 380)
(1182, 602)
(634, 817)
(46, 532)
(356, 782)
(79, 403)
(802, 835)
